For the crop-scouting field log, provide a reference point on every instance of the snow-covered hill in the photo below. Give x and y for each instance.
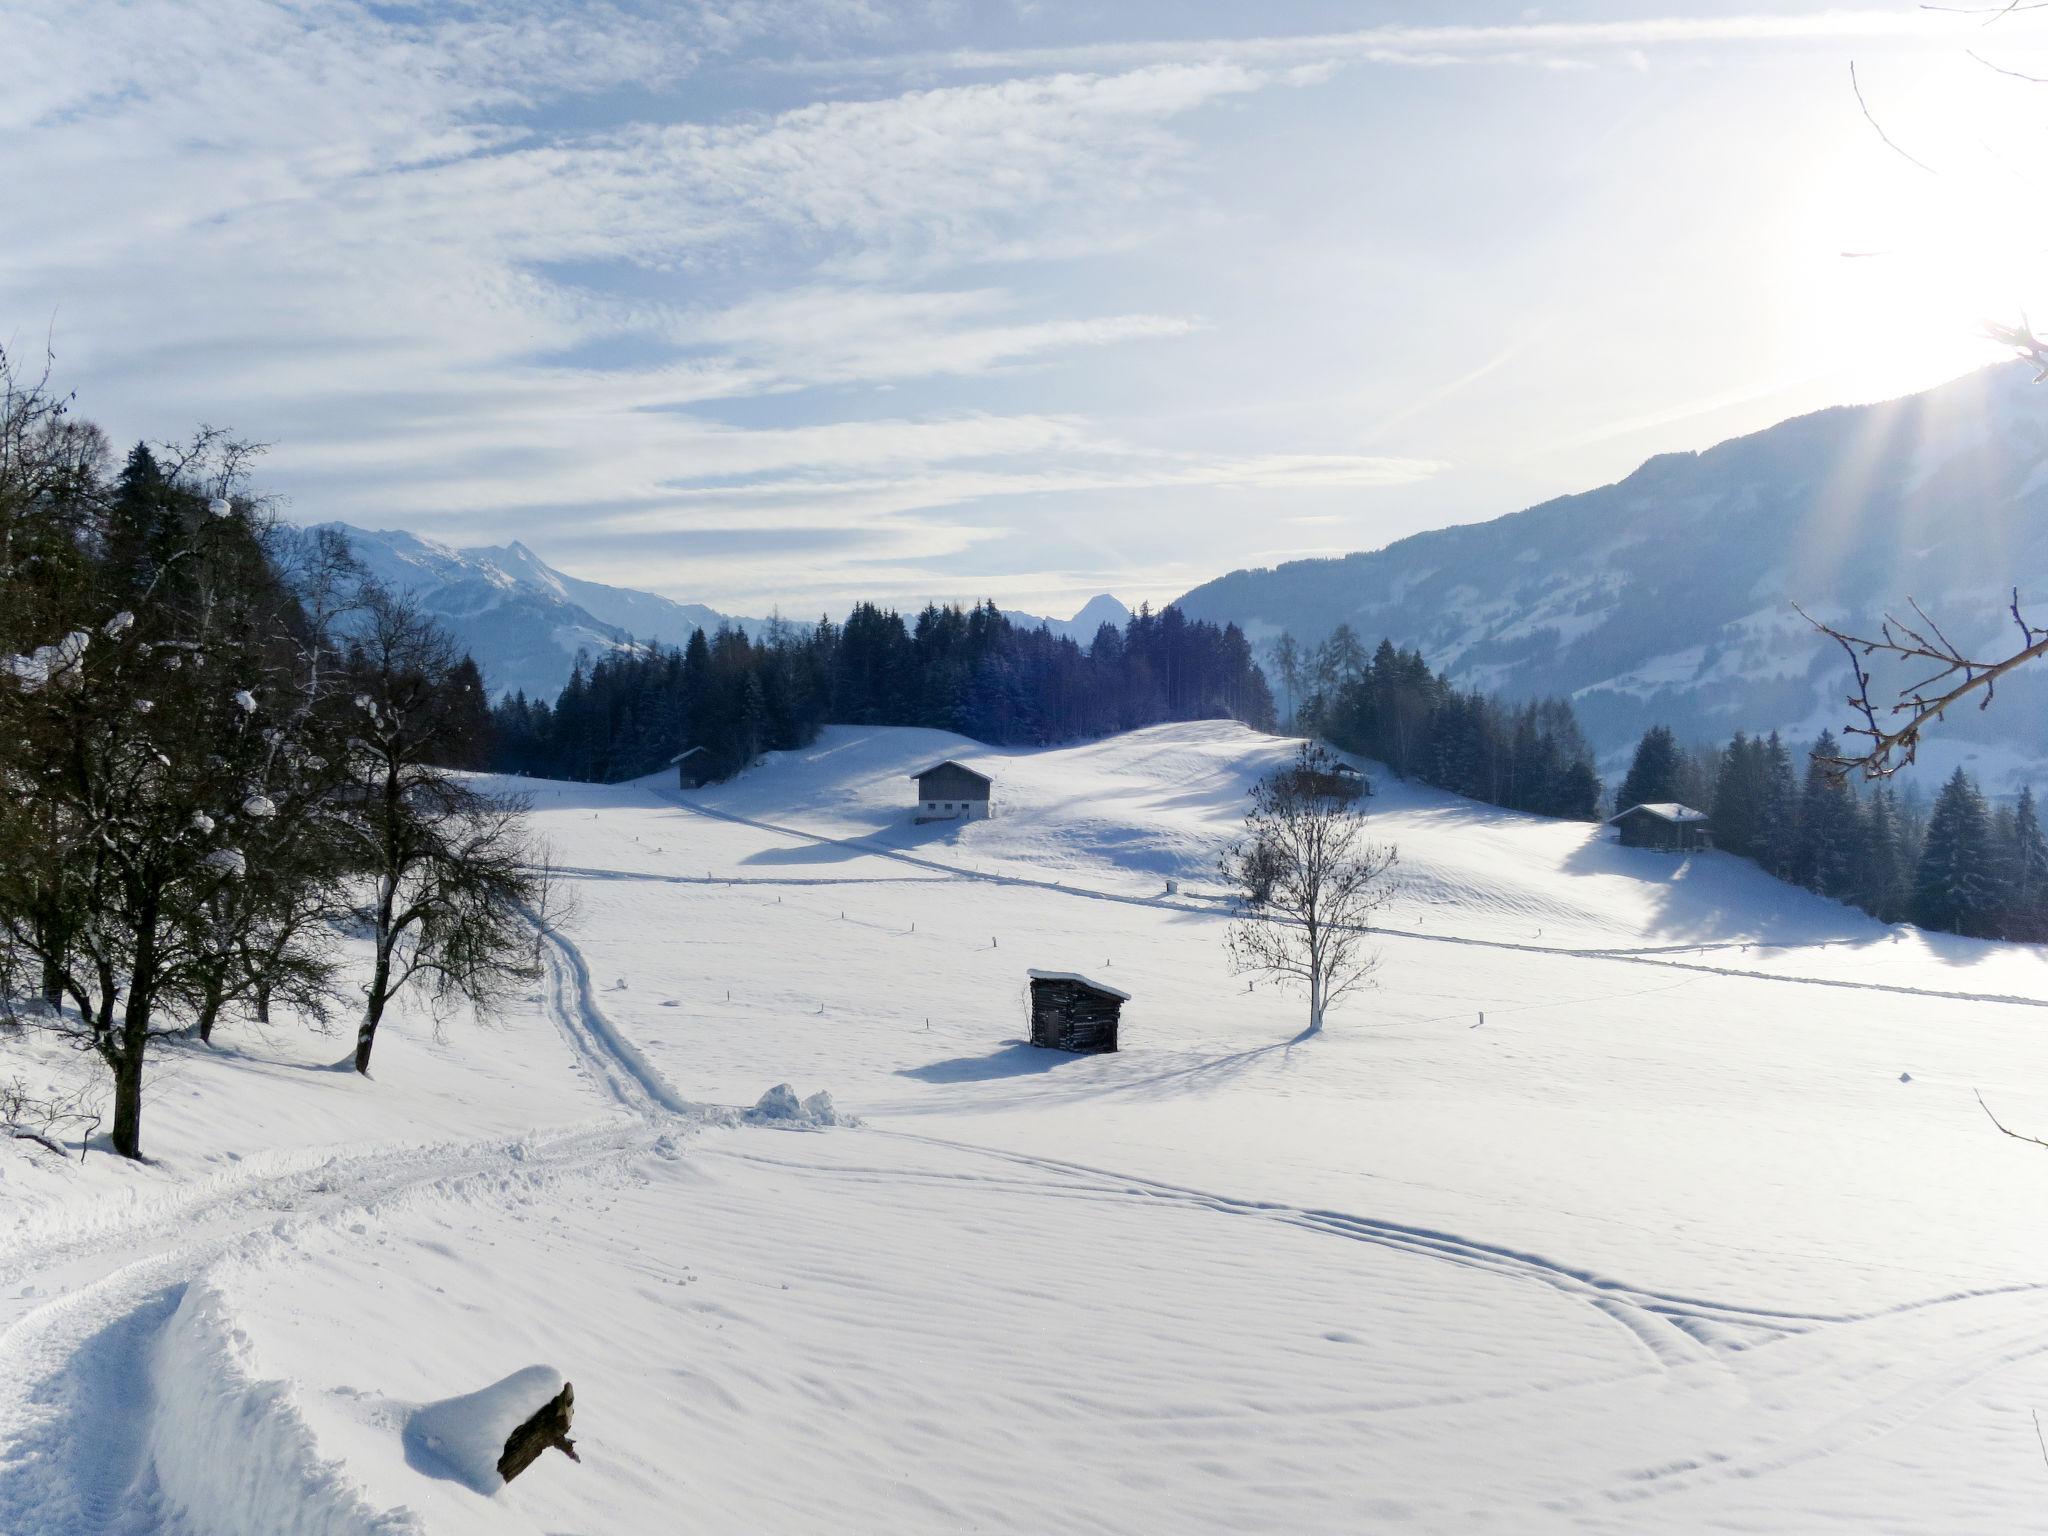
(1667, 598)
(523, 621)
(1642, 1194)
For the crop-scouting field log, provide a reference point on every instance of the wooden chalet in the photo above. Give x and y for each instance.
(1668, 826)
(951, 791)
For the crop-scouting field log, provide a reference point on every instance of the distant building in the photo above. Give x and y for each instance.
(1071, 1013)
(951, 791)
(1339, 781)
(692, 766)
(1672, 827)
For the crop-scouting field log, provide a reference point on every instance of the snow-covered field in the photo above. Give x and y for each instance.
(1701, 1229)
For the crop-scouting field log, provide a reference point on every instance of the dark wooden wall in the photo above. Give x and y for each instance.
(1642, 830)
(948, 782)
(1070, 1017)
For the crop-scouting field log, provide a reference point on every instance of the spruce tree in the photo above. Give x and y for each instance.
(2028, 891)
(1737, 808)
(1779, 839)
(1953, 889)
(1653, 775)
(1825, 849)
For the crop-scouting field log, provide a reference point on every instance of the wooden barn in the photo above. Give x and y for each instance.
(1669, 826)
(951, 791)
(692, 766)
(1071, 1013)
(1340, 782)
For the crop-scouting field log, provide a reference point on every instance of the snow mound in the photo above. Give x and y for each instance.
(780, 1106)
(231, 1452)
(463, 1437)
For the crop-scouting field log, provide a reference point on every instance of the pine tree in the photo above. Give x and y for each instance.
(2027, 893)
(1738, 803)
(1881, 887)
(1653, 776)
(1825, 849)
(1779, 839)
(1953, 889)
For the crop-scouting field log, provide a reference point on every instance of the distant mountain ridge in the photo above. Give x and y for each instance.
(1082, 627)
(1667, 597)
(524, 621)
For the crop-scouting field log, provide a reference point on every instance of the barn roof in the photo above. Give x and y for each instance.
(1117, 992)
(949, 763)
(1663, 810)
(686, 752)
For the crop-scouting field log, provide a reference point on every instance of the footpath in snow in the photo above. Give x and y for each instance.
(1701, 1229)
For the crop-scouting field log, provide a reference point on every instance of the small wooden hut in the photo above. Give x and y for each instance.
(1669, 826)
(1071, 1013)
(692, 766)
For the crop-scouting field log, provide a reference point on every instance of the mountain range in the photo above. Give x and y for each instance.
(526, 622)
(1668, 597)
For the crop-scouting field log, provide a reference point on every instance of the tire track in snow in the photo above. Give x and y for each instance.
(1652, 956)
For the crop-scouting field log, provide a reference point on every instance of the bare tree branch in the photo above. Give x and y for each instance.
(1868, 117)
(1891, 744)
(2015, 1135)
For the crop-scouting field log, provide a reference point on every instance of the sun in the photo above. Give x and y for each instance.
(1933, 194)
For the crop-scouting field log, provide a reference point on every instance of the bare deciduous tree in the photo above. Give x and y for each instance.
(1308, 881)
(453, 873)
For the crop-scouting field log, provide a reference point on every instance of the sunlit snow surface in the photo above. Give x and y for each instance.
(1664, 1244)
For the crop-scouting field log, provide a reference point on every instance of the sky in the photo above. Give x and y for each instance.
(779, 305)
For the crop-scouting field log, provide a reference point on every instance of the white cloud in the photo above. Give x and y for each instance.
(1530, 41)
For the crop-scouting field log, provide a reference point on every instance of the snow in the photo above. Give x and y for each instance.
(466, 1435)
(1086, 981)
(1702, 1229)
(49, 664)
(1665, 810)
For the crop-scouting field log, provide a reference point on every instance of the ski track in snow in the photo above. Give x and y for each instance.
(73, 1371)
(1653, 955)
(77, 1400)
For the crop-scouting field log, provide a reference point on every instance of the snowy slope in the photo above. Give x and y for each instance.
(1665, 1243)
(1667, 598)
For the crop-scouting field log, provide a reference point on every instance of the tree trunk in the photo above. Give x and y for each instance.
(53, 984)
(263, 1001)
(373, 1010)
(127, 1060)
(209, 1011)
(128, 1104)
(549, 1427)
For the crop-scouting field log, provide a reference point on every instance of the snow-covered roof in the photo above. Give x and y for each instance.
(686, 752)
(949, 763)
(1663, 810)
(1086, 981)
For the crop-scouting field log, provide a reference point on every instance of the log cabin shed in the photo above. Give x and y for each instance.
(692, 766)
(1071, 1013)
(951, 791)
(1669, 826)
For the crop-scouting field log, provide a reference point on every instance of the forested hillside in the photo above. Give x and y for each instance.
(969, 670)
